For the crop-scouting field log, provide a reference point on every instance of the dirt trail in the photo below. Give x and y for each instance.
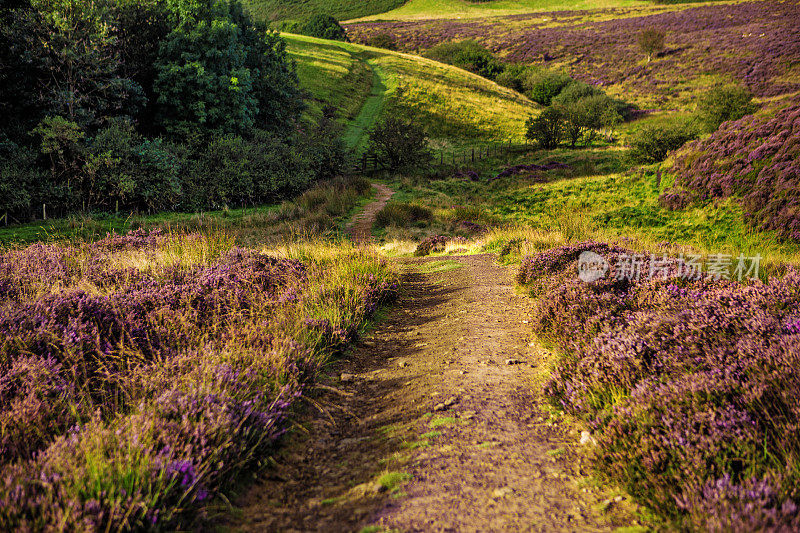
(360, 228)
(434, 422)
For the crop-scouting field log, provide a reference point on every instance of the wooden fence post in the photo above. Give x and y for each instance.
(44, 211)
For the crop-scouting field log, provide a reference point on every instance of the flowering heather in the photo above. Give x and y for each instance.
(691, 386)
(753, 42)
(140, 375)
(432, 244)
(755, 158)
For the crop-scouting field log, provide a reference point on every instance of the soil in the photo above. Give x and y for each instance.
(435, 421)
(360, 228)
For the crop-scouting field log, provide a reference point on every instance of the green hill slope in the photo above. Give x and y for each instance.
(275, 10)
(364, 83)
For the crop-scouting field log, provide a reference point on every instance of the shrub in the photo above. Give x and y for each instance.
(402, 215)
(430, 245)
(321, 26)
(469, 55)
(653, 143)
(690, 385)
(547, 128)
(651, 42)
(383, 40)
(399, 144)
(756, 158)
(542, 86)
(722, 104)
(585, 116)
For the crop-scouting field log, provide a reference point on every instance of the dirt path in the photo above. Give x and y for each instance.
(430, 429)
(360, 228)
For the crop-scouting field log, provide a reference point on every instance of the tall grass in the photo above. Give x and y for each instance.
(140, 375)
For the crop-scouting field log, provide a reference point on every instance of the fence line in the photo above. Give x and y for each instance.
(369, 161)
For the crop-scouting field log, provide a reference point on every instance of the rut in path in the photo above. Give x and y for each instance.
(425, 426)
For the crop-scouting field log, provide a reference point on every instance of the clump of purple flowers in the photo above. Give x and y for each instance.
(129, 397)
(756, 159)
(430, 245)
(685, 382)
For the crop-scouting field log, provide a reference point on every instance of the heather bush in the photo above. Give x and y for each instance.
(144, 372)
(431, 245)
(689, 382)
(755, 159)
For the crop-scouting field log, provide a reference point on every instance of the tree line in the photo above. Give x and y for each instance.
(145, 105)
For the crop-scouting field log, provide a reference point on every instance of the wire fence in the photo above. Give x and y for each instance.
(370, 162)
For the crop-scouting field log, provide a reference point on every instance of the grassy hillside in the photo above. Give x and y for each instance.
(429, 9)
(754, 43)
(363, 82)
(275, 10)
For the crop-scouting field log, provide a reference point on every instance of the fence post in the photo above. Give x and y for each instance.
(44, 211)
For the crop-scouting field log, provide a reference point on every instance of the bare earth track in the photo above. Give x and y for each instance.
(360, 228)
(425, 426)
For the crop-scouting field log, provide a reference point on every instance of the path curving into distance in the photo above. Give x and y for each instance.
(356, 132)
(360, 228)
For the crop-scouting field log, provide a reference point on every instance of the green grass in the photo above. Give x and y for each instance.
(392, 480)
(332, 75)
(597, 198)
(429, 9)
(357, 130)
(276, 10)
(364, 83)
(322, 210)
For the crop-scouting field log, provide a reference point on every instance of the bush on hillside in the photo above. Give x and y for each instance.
(546, 129)
(722, 104)
(322, 27)
(586, 116)
(653, 143)
(399, 144)
(542, 86)
(651, 41)
(756, 158)
(469, 55)
(383, 40)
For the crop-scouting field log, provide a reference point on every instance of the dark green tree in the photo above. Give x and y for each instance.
(547, 128)
(323, 27)
(399, 144)
(221, 73)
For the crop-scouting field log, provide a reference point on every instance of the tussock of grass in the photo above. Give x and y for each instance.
(402, 214)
